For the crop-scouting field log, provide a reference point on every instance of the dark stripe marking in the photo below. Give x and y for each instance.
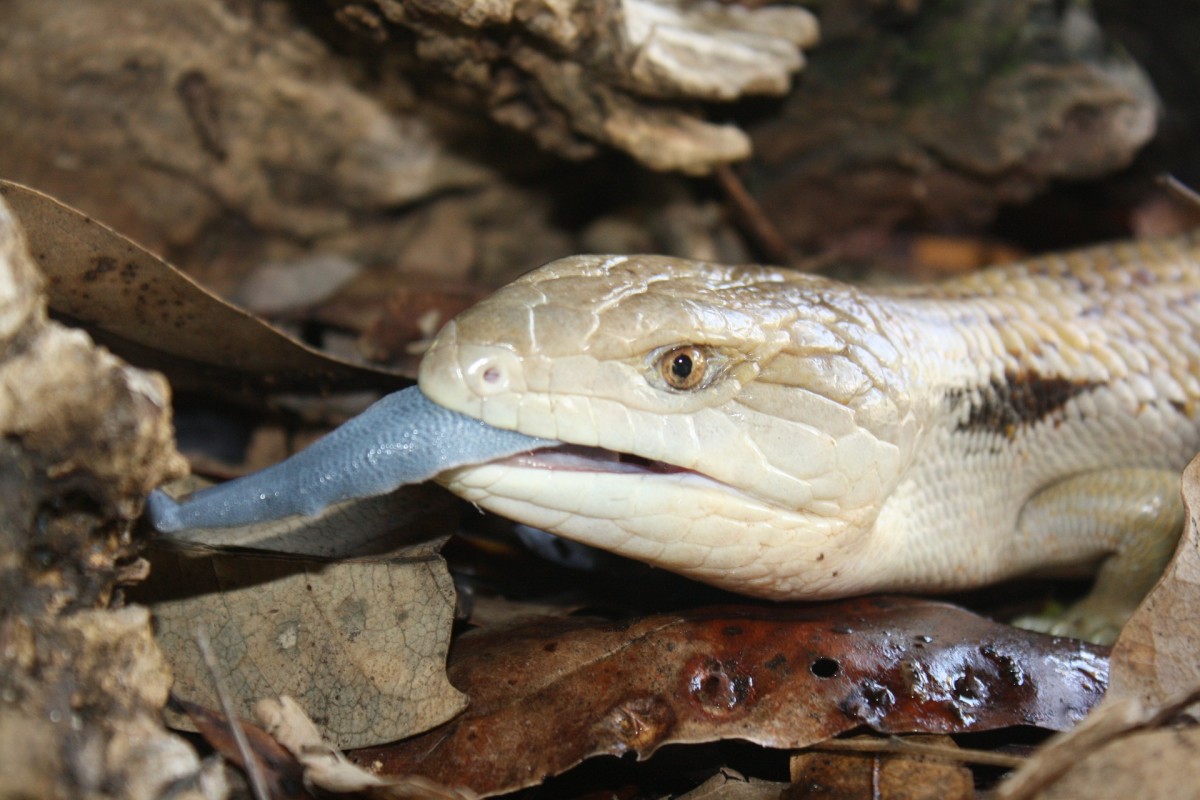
(1024, 398)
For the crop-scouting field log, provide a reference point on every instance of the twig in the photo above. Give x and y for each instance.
(1180, 191)
(258, 783)
(752, 220)
(896, 745)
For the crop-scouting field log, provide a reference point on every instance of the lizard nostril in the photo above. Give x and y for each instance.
(487, 375)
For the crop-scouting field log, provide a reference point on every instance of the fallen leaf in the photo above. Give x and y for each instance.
(281, 769)
(1147, 764)
(380, 526)
(1154, 659)
(141, 306)
(729, 785)
(1106, 730)
(885, 776)
(1121, 750)
(547, 695)
(361, 643)
(326, 768)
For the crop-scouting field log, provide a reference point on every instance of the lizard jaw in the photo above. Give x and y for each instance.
(578, 458)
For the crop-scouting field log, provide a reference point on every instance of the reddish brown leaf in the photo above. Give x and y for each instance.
(549, 694)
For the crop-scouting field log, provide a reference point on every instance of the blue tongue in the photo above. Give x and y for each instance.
(403, 438)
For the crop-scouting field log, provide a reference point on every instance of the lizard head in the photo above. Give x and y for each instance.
(740, 425)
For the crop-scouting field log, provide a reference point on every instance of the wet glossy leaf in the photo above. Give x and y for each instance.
(153, 314)
(360, 644)
(547, 695)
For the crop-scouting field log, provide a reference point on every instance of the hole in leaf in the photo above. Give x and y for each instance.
(825, 668)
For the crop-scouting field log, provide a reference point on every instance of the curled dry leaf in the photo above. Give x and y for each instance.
(144, 307)
(627, 73)
(361, 643)
(1154, 659)
(380, 526)
(1121, 750)
(282, 773)
(545, 696)
(1124, 748)
(1149, 765)
(326, 768)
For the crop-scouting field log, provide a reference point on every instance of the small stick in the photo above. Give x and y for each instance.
(1180, 191)
(896, 745)
(750, 216)
(258, 783)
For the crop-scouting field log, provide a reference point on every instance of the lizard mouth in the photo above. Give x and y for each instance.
(577, 458)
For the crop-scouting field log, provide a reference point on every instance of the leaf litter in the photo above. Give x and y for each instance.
(1151, 658)
(546, 695)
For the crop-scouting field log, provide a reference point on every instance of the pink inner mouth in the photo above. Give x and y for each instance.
(574, 458)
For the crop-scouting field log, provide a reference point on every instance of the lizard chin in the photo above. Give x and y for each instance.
(664, 515)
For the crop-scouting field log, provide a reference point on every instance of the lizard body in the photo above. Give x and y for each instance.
(789, 436)
(1028, 418)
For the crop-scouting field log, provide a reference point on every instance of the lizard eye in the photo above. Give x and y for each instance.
(684, 367)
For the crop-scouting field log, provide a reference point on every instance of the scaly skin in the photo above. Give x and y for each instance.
(843, 440)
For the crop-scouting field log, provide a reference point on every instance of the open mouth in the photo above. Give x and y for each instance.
(575, 458)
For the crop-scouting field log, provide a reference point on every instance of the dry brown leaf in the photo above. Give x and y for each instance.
(1147, 765)
(327, 769)
(360, 643)
(380, 526)
(1155, 659)
(281, 771)
(1109, 723)
(885, 776)
(1120, 750)
(549, 694)
(729, 785)
(99, 278)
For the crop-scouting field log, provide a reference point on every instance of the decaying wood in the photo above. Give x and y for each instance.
(85, 437)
